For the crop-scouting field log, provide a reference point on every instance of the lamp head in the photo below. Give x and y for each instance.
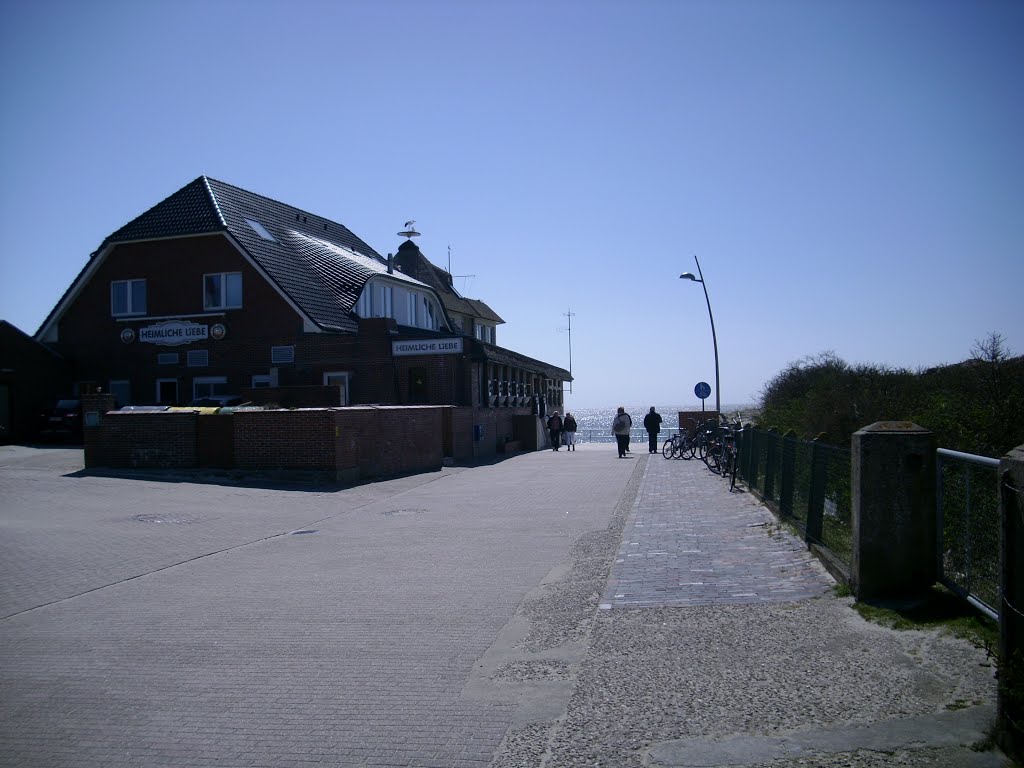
(690, 276)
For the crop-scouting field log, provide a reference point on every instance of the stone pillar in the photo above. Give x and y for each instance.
(93, 408)
(894, 525)
(1010, 731)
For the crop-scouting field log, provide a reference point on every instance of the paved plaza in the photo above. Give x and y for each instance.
(551, 609)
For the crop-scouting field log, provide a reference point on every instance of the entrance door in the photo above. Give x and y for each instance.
(338, 379)
(167, 391)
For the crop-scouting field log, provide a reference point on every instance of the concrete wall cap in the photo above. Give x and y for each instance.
(892, 426)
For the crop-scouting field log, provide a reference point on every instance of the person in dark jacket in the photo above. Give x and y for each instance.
(621, 425)
(569, 426)
(555, 429)
(652, 423)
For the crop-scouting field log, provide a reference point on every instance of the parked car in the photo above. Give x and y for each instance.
(64, 420)
(218, 401)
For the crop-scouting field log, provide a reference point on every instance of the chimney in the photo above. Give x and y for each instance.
(391, 264)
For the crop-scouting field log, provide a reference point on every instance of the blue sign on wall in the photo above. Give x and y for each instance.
(702, 390)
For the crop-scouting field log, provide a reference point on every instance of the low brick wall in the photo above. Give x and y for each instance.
(162, 440)
(697, 416)
(346, 443)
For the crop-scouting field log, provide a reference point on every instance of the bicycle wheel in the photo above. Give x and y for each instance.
(669, 448)
(733, 464)
(712, 459)
(688, 448)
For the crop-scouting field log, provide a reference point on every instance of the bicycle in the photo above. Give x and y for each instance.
(704, 438)
(679, 446)
(726, 453)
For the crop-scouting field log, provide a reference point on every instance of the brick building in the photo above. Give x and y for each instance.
(217, 290)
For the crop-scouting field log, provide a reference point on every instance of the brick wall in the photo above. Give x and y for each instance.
(352, 443)
(300, 439)
(697, 416)
(140, 439)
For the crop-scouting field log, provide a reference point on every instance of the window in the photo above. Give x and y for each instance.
(410, 308)
(429, 319)
(121, 389)
(484, 333)
(167, 391)
(382, 301)
(338, 379)
(260, 380)
(127, 297)
(167, 358)
(198, 358)
(207, 386)
(222, 291)
(282, 354)
(260, 230)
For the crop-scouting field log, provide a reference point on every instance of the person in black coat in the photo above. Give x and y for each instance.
(555, 429)
(652, 423)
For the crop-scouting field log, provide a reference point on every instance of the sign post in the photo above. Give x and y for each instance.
(702, 390)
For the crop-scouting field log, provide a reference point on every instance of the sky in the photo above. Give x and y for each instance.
(850, 175)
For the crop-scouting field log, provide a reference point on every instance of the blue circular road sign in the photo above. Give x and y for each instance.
(702, 390)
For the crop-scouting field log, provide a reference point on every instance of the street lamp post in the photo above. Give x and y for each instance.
(714, 338)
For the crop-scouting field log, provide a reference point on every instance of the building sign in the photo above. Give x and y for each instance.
(173, 333)
(427, 347)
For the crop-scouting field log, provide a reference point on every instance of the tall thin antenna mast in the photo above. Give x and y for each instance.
(570, 314)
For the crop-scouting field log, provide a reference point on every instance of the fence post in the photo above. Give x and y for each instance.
(744, 447)
(1010, 729)
(788, 471)
(769, 469)
(816, 493)
(893, 495)
(752, 458)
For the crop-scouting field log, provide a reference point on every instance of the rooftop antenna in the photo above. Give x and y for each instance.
(570, 314)
(410, 230)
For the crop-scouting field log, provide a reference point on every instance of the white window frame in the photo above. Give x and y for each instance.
(197, 358)
(212, 381)
(383, 295)
(346, 376)
(282, 354)
(260, 380)
(131, 310)
(223, 298)
(169, 380)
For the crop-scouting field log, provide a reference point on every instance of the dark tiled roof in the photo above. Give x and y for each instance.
(189, 211)
(415, 264)
(494, 354)
(320, 264)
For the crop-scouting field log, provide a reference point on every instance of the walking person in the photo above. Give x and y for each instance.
(621, 425)
(569, 430)
(652, 423)
(555, 429)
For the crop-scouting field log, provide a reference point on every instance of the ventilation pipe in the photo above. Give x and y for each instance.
(391, 264)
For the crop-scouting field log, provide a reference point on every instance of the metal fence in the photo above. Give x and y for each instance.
(807, 482)
(967, 506)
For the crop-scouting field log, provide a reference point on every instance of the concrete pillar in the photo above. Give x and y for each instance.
(894, 525)
(1010, 733)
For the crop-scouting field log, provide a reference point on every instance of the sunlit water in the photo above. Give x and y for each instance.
(595, 424)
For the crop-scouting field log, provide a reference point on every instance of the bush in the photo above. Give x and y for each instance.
(976, 406)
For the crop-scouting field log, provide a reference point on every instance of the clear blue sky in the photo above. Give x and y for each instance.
(850, 174)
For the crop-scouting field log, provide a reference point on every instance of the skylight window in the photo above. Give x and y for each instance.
(260, 230)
